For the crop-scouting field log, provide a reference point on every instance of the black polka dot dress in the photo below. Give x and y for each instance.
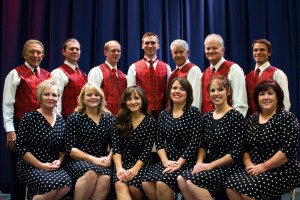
(45, 143)
(137, 147)
(84, 134)
(280, 133)
(221, 136)
(180, 137)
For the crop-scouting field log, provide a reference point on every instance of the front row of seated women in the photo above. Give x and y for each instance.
(199, 156)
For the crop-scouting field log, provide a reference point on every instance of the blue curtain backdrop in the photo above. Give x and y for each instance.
(94, 22)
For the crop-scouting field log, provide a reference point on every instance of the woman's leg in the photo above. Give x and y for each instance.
(164, 192)
(149, 188)
(46, 196)
(198, 193)
(61, 192)
(102, 187)
(122, 191)
(183, 188)
(85, 185)
(135, 193)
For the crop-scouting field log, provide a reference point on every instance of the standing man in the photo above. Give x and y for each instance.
(69, 78)
(107, 75)
(151, 75)
(214, 51)
(262, 50)
(19, 97)
(180, 53)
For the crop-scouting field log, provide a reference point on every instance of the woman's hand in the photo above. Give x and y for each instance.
(48, 166)
(255, 170)
(56, 162)
(172, 167)
(131, 173)
(105, 161)
(200, 167)
(122, 175)
(102, 161)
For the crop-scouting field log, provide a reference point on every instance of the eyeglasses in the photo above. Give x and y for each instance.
(115, 50)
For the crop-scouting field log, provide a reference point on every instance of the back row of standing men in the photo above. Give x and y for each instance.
(151, 74)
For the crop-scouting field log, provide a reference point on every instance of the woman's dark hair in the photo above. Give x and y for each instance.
(265, 85)
(123, 120)
(189, 93)
(222, 81)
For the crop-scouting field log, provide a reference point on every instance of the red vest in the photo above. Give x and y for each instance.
(26, 100)
(72, 90)
(251, 84)
(183, 72)
(113, 88)
(154, 84)
(223, 70)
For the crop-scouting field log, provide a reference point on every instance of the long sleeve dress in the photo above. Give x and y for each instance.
(44, 142)
(137, 147)
(180, 137)
(262, 141)
(83, 133)
(221, 136)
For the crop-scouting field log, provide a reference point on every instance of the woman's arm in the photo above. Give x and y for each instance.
(32, 160)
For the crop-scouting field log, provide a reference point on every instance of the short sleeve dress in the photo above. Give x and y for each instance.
(221, 136)
(280, 133)
(137, 147)
(180, 137)
(94, 139)
(45, 143)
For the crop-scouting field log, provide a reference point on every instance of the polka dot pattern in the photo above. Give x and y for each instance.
(83, 133)
(180, 137)
(280, 133)
(45, 142)
(222, 136)
(137, 147)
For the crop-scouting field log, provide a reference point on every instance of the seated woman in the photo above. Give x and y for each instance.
(132, 143)
(40, 143)
(220, 151)
(88, 135)
(180, 128)
(270, 156)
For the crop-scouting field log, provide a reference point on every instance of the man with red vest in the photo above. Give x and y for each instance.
(262, 50)
(184, 68)
(214, 51)
(107, 75)
(69, 78)
(19, 97)
(151, 75)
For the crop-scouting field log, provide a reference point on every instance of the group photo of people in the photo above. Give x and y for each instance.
(161, 127)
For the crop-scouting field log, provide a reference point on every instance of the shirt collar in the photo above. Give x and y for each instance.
(110, 66)
(217, 66)
(31, 68)
(263, 67)
(186, 62)
(70, 65)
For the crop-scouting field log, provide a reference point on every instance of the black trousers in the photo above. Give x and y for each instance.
(17, 187)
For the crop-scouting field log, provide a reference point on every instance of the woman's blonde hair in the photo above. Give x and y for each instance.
(81, 106)
(45, 84)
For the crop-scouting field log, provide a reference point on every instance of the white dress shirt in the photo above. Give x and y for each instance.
(194, 76)
(236, 77)
(12, 81)
(280, 77)
(96, 76)
(61, 79)
(131, 74)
